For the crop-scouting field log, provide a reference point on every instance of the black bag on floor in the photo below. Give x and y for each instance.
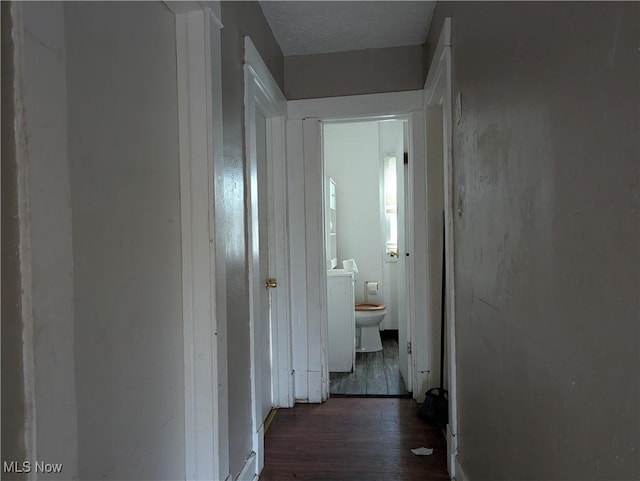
(435, 408)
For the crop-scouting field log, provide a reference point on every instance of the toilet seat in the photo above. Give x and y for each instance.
(369, 306)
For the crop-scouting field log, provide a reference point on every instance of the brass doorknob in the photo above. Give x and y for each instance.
(271, 283)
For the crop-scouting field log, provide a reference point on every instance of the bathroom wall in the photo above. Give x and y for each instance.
(353, 158)
(125, 191)
(547, 183)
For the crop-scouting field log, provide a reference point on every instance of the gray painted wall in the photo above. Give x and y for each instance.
(13, 409)
(353, 73)
(123, 148)
(47, 262)
(546, 172)
(240, 19)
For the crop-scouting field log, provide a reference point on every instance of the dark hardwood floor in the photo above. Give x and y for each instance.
(353, 439)
(376, 373)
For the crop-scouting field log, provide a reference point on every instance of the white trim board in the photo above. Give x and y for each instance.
(263, 79)
(316, 276)
(178, 7)
(203, 279)
(355, 106)
(183, 6)
(298, 255)
(438, 92)
(307, 226)
(248, 472)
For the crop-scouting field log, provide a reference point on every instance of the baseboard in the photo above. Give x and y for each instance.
(460, 476)
(451, 468)
(248, 472)
(392, 396)
(269, 420)
(453, 462)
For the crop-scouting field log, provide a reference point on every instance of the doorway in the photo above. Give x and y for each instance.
(364, 215)
(307, 232)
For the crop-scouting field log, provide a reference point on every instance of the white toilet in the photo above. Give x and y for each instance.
(369, 315)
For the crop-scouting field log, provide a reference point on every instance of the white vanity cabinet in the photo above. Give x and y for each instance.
(342, 320)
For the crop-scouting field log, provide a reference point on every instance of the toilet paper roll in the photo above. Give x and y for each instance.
(372, 288)
(350, 265)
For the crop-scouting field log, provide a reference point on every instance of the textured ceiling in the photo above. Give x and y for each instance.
(310, 27)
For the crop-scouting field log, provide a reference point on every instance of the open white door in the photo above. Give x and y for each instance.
(404, 333)
(262, 297)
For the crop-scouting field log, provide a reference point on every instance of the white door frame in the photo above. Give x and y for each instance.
(437, 91)
(263, 94)
(199, 68)
(306, 167)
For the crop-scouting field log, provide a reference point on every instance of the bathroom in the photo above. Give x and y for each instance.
(364, 222)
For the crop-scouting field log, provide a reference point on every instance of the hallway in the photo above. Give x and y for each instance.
(152, 317)
(353, 439)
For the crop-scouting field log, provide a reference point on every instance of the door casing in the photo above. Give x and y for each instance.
(438, 91)
(309, 312)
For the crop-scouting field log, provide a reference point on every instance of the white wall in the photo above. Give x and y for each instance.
(123, 148)
(353, 154)
(352, 159)
(46, 165)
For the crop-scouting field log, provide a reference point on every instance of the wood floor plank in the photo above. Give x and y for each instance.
(376, 379)
(390, 348)
(337, 382)
(357, 382)
(395, 383)
(375, 373)
(353, 439)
